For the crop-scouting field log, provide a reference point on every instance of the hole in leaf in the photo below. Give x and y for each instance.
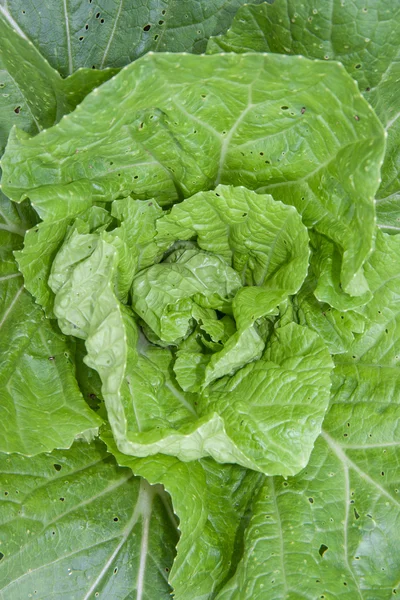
(116, 519)
(147, 28)
(357, 516)
(115, 570)
(311, 500)
(81, 38)
(6, 493)
(97, 15)
(17, 110)
(284, 108)
(101, 21)
(358, 66)
(1, 555)
(322, 549)
(161, 22)
(57, 467)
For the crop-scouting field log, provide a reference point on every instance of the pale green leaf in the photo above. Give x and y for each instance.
(276, 405)
(150, 413)
(164, 295)
(264, 241)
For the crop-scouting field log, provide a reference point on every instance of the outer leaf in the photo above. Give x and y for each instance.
(41, 407)
(78, 34)
(252, 141)
(74, 525)
(211, 501)
(34, 96)
(362, 35)
(330, 532)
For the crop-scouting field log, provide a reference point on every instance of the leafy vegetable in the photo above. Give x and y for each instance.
(192, 274)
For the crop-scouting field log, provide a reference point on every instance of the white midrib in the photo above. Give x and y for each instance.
(281, 547)
(12, 276)
(338, 450)
(346, 474)
(107, 48)
(146, 514)
(225, 145)
(12, 22)
(180, 397)
(391, 227)
(11, 306)
(392, 121)
(142, 509)
(70, 64)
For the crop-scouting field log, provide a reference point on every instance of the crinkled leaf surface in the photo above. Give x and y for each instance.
(112, 33)
(363, 36)
(368, 375)
(33, 95)
(41, 406)
(265, 242)
(261, 139)
(287, 387)
(164, 295)
(212, 503)
(75, 525)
